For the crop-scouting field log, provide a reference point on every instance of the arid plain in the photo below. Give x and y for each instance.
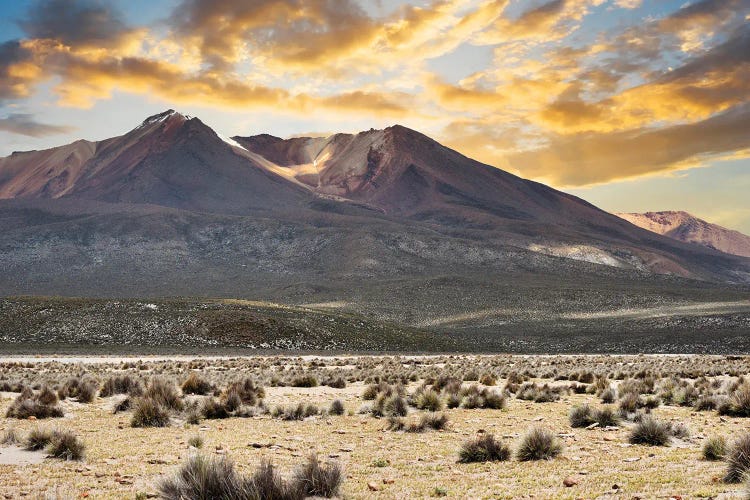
(382, 427)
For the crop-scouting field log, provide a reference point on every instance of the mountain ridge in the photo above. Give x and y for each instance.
(683, 226)
(395, 178)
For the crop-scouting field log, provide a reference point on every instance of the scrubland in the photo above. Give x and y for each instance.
(376, 427)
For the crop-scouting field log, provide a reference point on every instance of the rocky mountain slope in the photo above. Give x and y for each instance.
(386, 224)
(685, 227)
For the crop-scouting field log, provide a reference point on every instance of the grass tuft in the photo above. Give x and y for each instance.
(651, 432)
(484, 448)
(538, 444)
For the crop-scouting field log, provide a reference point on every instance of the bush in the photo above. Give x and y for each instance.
(298, 412)
(37, 439)
(87, 390)
(538, 444)
(248, 392)
(606, 417)
(11, 437)
(487, 379)
(40, 405)
(212, 409)
(679, 430)
(714, 448)
(315, 480)
(266, 483)
(337, 407)
(195, 442)
(629, 403)
(609, 396)
(738, 404)
(149, 413)
(193, 416)
(473, 397)
(429, 400)
(390, 406)
(121, 385)
(738, 460)
(337, 383)
(493, 400)
(47, 396)
(203, 478)
(123, 405)
(434, 421)
(232, 401)
(164, 393)
(538, 394)
(454, 401)
(706, 403)
(195, 384)
(484, 448)
(650, 431)
(305, 381)
(581, 416)
(66, 445)
(395, 424)
(370, 392)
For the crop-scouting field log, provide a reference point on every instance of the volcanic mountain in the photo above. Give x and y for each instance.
(387, 223)
(169, 160)
(685, 227)
(405, 173)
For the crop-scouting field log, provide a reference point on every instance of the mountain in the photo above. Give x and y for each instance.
(385, 224)
(685, 227)
(169, 160)
(403, 172)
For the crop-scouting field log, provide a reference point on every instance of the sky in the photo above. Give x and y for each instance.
(633, 105)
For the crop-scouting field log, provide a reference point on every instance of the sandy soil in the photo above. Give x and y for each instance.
(122, 461)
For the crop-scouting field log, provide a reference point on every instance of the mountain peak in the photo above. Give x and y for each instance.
(683, 226)
(164, 116)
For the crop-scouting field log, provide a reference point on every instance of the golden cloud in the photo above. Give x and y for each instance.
(544, 105)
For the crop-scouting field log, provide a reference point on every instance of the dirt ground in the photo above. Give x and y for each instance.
(122, 461)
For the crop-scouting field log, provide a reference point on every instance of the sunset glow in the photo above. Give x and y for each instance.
(634, 105)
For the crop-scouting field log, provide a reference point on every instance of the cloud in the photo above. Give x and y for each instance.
(76, 23)
(17, 72)
(628, 4)
(25, 124)
(550, 21)
(591, 158)
(552, 90)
